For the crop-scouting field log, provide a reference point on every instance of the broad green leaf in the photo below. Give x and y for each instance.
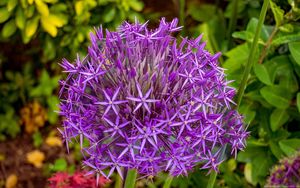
(276, 96)
(298, 101)
(262, 74)
(247, 36)
(42, 7)
(278, 13)
(109, 14)
(278, 118)
(236, 58)
(11, 4)
(4, 14)
(261, 166)
(20, 18)
(285, 39)
(9, 29)
(275, 149)
(31, 27)
(265, 30)
(48, 26)
(290, 146)
(295, 51)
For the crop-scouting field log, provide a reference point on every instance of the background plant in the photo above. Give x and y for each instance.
(271, 101)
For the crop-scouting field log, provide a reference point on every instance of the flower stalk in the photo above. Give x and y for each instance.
(130, 178)
(251, 57)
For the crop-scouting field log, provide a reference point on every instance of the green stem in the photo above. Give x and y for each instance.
(119, 182)
(130, 178)
(250, 61)
(212, 179)
(168, 182)
(232, 22)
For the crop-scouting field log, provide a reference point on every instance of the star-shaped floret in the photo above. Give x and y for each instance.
(129, 147)
(189, 77)
(202, 102)
(114, 163)
(142, 100)
(184, 122)
(111, 102)
(93, 73)
(145, 134)
(115, 127)
(212, 161)
(177, 162)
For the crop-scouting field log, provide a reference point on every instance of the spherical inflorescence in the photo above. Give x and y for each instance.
(286, 173)
(146, 102)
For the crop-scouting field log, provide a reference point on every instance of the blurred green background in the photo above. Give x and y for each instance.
(36, 34)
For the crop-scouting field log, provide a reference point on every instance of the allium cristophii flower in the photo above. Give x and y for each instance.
(286, 173)
(145, 101)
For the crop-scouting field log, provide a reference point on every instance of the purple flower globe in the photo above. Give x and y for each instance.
(286, 173)
(145, 101)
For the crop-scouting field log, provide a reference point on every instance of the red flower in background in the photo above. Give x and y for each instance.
(77, 180)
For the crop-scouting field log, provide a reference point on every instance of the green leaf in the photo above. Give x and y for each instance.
(285, 39)
(109, 14)
(278, 118)
(20, 18)
(48, 26)
(295, 51)
(298, 101)
(262, 74)
(275, 149)
(42, 7)
(46, 85)
(278, 13)
(288, 28)
(236, 58)
(4, 14)
(247, 112)
(31, 27)
(261, 167)
(276, 96)
(11, 4)
(9, 29)
(79, 7)
(265, 30)
(290, 146)
(136, 5)
(59, 165)
(248, 174)
(202, 12)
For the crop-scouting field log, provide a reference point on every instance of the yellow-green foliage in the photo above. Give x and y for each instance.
(69, 22)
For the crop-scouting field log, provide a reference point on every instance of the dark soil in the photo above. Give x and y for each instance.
(15, 151)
